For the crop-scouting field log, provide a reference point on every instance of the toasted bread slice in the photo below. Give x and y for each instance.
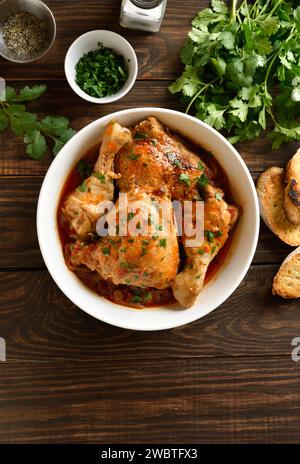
(287, 280)
(292, 189)
(270, 190)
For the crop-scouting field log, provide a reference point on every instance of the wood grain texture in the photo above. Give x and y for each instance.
(246, 400)
(40, 324)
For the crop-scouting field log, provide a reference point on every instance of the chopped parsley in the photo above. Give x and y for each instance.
(209, 235)
(185, 179)
(140, 136)
(101, 72)
(105, 251)
(82, 187)
(163, 242)
(99, 176)
(133, 156)
(203, 180)
(201, 166)
(85, 168)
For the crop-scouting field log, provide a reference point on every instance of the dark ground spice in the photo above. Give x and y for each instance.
(24, 33)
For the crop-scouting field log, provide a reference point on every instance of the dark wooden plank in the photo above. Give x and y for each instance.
(40, 324)
(158, 54)
(60, 99)
(245, 400)
(18, 239)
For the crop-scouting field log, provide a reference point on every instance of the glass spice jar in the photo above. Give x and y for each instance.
(145, 15)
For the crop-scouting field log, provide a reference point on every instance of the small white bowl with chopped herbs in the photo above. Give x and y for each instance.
(101, 66)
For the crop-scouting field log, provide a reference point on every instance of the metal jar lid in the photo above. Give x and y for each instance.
(146, 4)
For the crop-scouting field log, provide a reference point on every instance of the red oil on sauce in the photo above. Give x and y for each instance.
(123, 294)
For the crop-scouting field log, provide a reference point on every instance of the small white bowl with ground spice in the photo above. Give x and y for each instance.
(101, 66)
(27, 30)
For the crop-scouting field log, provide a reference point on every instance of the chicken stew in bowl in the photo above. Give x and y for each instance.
(155, 166)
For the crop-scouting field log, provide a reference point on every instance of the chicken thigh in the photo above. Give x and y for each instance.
(158, 158)
(146, 255)
(81, 206)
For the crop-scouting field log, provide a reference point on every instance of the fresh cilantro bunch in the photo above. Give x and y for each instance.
(13, 114)
(242, 69)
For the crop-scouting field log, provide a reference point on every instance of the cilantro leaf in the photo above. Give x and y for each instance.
(31, 93)
(3, 120)
(26, 124)
(36, 144)
(54, 125)
(215, 117)
(219, 6)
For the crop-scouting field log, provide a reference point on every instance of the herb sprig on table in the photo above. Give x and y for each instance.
(36, 133)
(242, 69)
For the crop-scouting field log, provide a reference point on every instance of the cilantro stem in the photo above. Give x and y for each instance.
(233, 11)
(254, 6)
(274, 9)
(198, 93)
(263, 9)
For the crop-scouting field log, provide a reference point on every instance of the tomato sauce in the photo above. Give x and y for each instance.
(130, 295)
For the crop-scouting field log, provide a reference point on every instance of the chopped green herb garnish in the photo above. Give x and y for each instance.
(130, 216)
(148, 296)
(201, 166)
(213, 249)
(140, 136)
(101, 72)
(99, 176)
(82, 187)
(203, 180)
(185, 179)
(105, 251)
(209, 235)
(137, 299)
(85, 168)
(201, 251)
(130, 240)
(133, 156)
(154, 142)
(124, 265)
(163, 242)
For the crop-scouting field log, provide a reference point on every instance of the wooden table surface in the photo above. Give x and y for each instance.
(228, 377)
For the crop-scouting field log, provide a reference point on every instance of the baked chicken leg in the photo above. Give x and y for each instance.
(219, 218)
(81, 206)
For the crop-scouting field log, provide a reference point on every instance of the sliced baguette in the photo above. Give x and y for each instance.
(292, 189)
(270, 190)
(287, 280)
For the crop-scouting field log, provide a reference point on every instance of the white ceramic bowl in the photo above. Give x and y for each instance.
(89, 41)
(228, 276)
